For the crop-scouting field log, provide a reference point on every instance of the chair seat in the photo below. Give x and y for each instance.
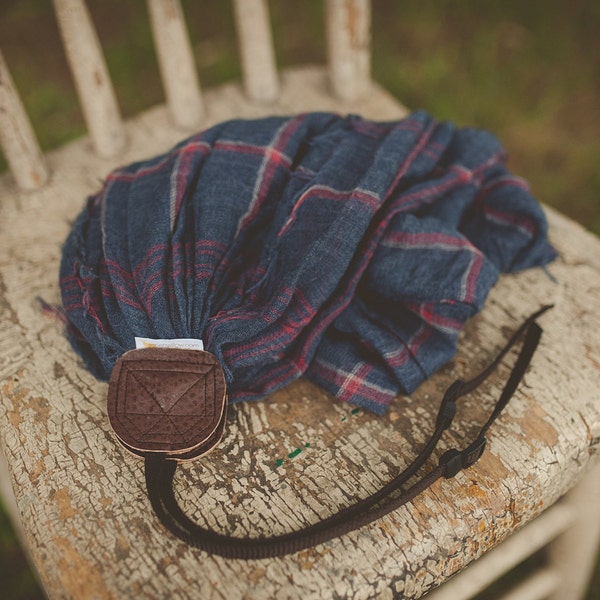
(298, 456)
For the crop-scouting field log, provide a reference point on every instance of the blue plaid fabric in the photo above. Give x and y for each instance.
(345, 250)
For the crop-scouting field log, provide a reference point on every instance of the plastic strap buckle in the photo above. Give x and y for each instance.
(453, 461)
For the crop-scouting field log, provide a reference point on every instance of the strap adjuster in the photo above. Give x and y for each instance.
(453, 461)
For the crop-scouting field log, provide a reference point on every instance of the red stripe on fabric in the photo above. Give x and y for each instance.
(336, 377)
(194, 146)
(472, 277)
(426, 310)
(370, 127)
(211, 246)
(278, 143)
(150, 295)
(508, 218)
(114, 267)
(275, 377)
(409, 350)
(272, 153)
(297, 315)
(262, 183)
(426, 239)
(330, 313)
(354, 381)
(121, 298)
(321, 191)
(148, 278)
(119, 278)
(413, 153)
(144, 264)
(107, 284)
(183, 163)
(75, 285)
(120, 176)
(82, 299)
(178, 181)
(433, 241)
(505, 180)
(420, 195)
(73, 305)
(90, 309)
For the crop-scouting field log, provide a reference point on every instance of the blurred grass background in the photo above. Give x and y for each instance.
(527, 70)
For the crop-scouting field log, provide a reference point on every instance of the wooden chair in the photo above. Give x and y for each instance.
(298, 456)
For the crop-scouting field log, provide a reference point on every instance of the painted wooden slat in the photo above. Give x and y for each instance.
(573, 554)
(348, 46)
(176, 62)
(92, 81)
(507, 555)
(256, 50)
(537, 586)
(17, 138)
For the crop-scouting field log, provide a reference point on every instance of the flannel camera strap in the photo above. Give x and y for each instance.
(259, 251)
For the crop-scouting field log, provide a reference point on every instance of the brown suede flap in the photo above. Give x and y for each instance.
(167, 400)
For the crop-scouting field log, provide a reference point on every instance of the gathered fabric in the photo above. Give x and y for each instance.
(348, 251)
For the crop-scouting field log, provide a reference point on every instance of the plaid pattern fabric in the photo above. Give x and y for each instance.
(348, 251)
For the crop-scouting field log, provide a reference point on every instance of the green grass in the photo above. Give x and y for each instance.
(529, 70)
(18, 581)
(526, 70)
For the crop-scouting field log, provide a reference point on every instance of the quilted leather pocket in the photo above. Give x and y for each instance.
(167, 401)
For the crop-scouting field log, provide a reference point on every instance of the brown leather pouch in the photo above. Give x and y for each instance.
(167, 401)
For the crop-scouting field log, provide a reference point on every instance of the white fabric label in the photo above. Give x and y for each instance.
(181, 343)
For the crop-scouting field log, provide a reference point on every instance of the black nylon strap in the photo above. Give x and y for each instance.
(160, 473)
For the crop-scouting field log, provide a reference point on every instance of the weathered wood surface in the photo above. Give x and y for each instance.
(82, 499)
(568, 532)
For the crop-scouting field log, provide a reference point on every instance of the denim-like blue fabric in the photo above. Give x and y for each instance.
(345, 250)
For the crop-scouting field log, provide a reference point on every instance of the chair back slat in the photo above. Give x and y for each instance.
(348, 44)
(256, 50)
(94, 87)
(18, 141)
(176, 62)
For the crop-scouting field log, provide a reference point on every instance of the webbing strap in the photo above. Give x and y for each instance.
(160, 473)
